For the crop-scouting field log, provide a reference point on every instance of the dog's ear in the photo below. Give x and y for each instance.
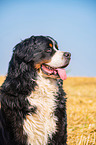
(24, 51)
(22, 55)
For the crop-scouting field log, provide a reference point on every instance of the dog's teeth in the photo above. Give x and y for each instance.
(48, 67)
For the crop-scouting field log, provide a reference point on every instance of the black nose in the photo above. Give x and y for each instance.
(67, 54)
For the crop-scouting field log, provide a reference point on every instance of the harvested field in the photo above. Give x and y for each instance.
(1, 79)
(81, 110)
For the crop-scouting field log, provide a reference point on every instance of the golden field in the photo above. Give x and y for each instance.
(81, 110)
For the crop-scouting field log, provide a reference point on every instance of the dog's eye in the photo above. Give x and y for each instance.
(49, 50)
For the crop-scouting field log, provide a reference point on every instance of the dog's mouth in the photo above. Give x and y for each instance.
(56, 72)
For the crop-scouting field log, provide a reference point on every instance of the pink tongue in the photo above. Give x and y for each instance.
(62, 73)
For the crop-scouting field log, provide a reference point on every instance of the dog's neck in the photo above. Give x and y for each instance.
(48, 80)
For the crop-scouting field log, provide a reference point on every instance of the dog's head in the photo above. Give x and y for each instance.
(43, 53)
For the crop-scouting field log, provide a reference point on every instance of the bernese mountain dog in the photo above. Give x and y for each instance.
(33, 103)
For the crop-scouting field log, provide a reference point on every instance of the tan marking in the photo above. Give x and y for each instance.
(38, 126)
(57, 46)
(50, 45)
(37, 66)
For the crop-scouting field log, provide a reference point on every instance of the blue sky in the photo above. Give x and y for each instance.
(71, 22)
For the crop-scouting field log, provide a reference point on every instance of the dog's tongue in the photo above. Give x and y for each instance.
(62, 73)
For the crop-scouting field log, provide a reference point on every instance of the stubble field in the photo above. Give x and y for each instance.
(81, 110)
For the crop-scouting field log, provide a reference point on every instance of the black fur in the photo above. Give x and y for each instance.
(60, 138)
(19, 83)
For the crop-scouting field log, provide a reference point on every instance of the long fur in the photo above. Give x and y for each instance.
(33, 107)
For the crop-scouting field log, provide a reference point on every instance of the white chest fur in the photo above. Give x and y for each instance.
(42, 124)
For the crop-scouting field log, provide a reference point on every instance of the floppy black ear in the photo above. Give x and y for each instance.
(24, 50)
(22, 55)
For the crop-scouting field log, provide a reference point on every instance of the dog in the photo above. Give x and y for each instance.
(33, 102)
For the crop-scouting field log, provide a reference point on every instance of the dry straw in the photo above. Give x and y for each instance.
(81, 110)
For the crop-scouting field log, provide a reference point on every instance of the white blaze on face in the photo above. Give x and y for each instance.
(57, 60)
(53, 44)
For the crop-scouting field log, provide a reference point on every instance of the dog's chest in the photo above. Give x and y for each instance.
(41, 125)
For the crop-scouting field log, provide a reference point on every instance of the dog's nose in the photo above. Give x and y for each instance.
(67, 54)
